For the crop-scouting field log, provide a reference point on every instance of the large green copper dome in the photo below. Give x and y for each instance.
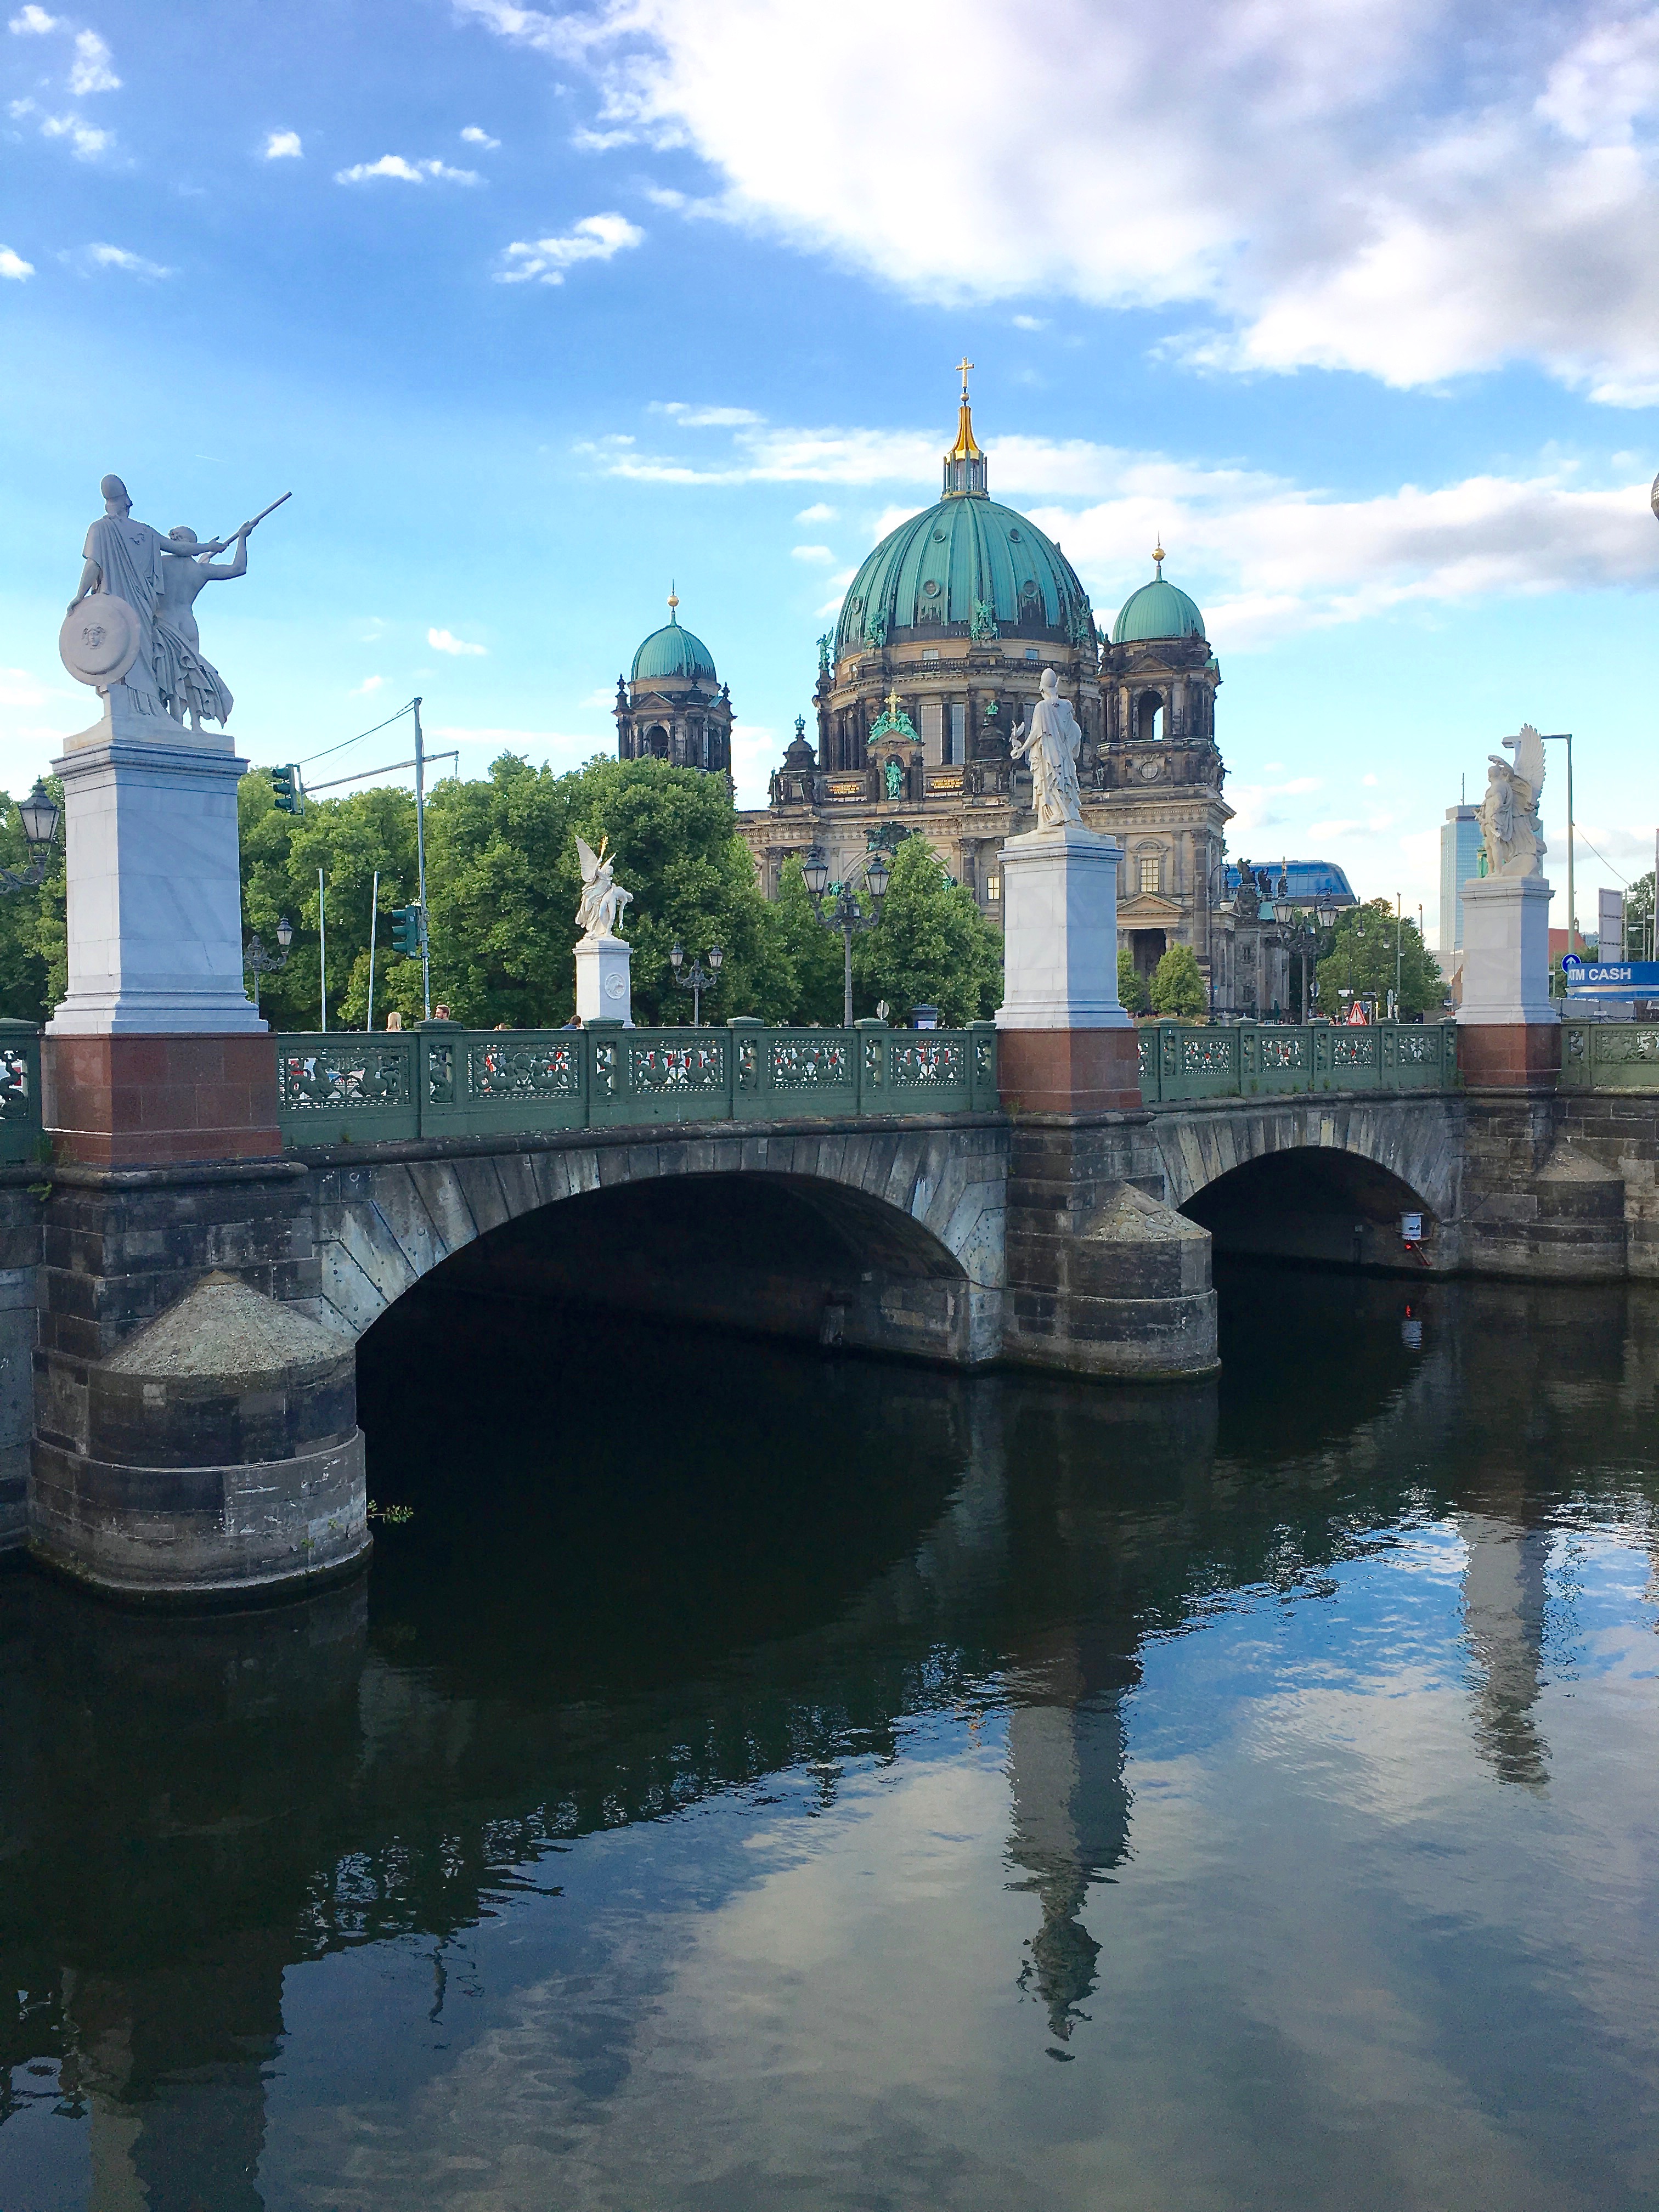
(1157, 609)
(670, 654)
(968, 563)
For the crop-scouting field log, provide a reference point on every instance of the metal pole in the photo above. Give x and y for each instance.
(846, 1001)
(1399, 947)
(322, 949)
(420, 860)
(373, 917)
(1572, 912)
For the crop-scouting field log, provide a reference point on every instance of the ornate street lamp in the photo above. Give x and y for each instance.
(846, 913)
(258, 962)
(696, 979)
(40, 814)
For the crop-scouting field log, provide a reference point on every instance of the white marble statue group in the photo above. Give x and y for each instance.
(132, 624)
(604, 899)
(1508, 807)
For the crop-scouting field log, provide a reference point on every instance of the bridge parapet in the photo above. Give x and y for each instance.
(1261, 1060)
(1608, 1055)
(444, 1081)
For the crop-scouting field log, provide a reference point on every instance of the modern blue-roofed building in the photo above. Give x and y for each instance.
(1307, 882)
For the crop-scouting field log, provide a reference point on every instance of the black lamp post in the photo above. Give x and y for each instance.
(258, 962)
(846, 914)
(1304, 938)
(40, 814)
(696, 979)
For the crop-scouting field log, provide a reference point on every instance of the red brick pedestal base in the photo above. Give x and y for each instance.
(1509, 1055)
(112, 1101)
(1069, 1071)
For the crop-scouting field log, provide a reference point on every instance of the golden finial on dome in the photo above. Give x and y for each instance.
(672, 603)
(1158, 555)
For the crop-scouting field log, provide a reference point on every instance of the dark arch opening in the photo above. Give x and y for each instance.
(1332, 1208)
(775, 1256)
(1149, 716)
(656, 741)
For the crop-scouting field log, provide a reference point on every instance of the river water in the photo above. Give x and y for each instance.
(754, 1780)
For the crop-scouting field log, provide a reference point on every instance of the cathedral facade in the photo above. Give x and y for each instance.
(934, 661)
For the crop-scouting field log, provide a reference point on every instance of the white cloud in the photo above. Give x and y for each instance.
(1413, 189)
(817, 553)
(705, 418)
(442, 641)
(1369, 782)
(14, 265)
(819, 513)
(32, 22)
(473, 137)
(18, 688)
(91, 71)
(1264, 555)
(406, 172)
(283, 146)
(595, 238)
(1030, 322)
(88, 143)
(605, 696)
(369, 685)
(117, 256)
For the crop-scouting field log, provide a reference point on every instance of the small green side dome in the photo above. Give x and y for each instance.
(671, 653)
(1157, 609)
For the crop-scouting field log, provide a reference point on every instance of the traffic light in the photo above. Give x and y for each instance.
(408, 930)
(285, 789)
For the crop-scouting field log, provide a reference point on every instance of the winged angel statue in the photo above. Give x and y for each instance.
(603, 897)
(1509, 811)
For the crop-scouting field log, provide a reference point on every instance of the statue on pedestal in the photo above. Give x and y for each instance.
(1051, 750)
(602, 899)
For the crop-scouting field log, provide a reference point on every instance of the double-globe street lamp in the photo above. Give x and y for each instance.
(258, 962)
(1305, 930)
(697, 979)
(846, 913)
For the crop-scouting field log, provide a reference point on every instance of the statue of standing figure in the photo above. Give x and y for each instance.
(1052, 750)
(156, 578)
(1509, 808)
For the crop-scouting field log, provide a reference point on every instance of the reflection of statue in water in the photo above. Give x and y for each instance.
(1071, 1823)
(603, 898)
(1504, 1598)
(1051, 750)
(1508, 807)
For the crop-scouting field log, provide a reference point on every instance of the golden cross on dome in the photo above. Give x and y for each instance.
(962, 367)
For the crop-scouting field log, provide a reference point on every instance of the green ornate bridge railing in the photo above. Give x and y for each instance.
(1257, 1059)
(1610, 1056)
(347, 1088)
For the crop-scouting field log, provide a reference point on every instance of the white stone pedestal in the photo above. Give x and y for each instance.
(1506, 952)
(154, 881)
(602, 989)
(1059, 932)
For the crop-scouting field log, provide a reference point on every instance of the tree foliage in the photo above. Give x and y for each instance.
(1178, 984)
(1362, 958)
(1131, 983)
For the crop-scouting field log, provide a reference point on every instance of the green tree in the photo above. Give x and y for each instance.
(813, 952)
(932, 948)
(1178, 984)
(1131, 983)
(1638, 908)
(1362, 959)
(33, 942)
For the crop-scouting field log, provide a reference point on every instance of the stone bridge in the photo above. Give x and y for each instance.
(185, 1435)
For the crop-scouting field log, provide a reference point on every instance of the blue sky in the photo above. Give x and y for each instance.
(534, 311)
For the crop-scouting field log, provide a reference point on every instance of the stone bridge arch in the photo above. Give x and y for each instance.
(889, 1239)
(1351, 1164)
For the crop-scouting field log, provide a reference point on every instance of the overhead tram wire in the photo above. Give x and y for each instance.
(363, 772)
(408, 708)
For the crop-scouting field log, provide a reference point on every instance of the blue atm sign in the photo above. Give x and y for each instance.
(1625, 977)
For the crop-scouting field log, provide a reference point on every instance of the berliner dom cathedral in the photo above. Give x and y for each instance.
(935, 659)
